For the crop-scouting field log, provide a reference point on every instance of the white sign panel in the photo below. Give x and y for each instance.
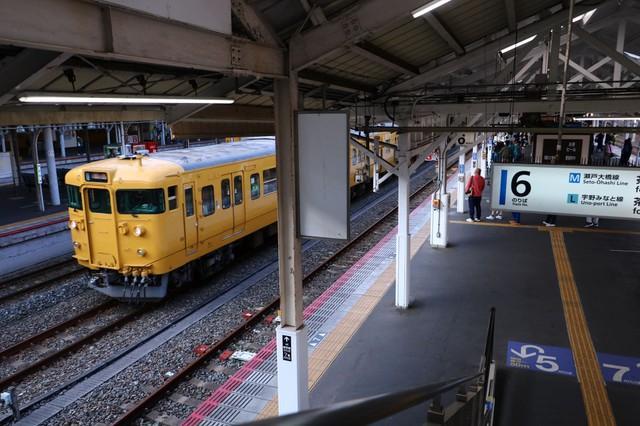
(567, 190)
(214, 15)
(323, 174)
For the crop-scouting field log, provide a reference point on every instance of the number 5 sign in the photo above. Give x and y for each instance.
(549, 359)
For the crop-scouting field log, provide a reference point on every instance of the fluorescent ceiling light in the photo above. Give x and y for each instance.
(585, 16)
(68, 98)
(428, 8)
(632, 55)
(606, 118)
(518, 44)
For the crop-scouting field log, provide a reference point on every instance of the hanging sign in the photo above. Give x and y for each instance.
(567, 190)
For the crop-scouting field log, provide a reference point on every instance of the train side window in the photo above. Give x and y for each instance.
(188, 202)
(207, 201)
(99, 201)
(237, 190)
(226, 194)
(270, 181)
(172, 196)
(254, 183)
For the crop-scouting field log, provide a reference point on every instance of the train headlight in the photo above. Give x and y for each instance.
(76, 244)
(73, 224)
(138, 231)
(141, 252)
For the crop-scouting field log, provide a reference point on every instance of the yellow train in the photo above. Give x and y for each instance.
(144, 223)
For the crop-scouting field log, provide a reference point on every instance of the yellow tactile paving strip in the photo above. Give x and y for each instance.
(328, 350)
(596, 400)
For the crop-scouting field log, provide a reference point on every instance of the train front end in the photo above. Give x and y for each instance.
(125, 225)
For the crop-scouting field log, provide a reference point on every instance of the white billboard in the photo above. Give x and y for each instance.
(567, 190)
(323, 174)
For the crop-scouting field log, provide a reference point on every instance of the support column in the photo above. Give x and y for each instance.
(163, 136)
(617, 68)
(52, 172)
(403, 239)
(376, 174)
(460, 193)
(87, 145)
(483, 159)
(15, 158)
(291, 335)
(440, 206)
(63, 148)
(37, 172)
(4, 147)
(123, 139)
(108, 130)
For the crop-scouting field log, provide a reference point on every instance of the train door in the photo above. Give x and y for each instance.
(190, 220)
(224, 219)
(238, 203)
(103, 243)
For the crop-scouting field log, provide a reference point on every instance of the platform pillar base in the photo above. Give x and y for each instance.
(293, 370)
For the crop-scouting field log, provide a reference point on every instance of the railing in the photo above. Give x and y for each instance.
(594, 160)
(471, 408)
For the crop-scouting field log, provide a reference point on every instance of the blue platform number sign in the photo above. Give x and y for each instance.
(549, 359)
(620, 369)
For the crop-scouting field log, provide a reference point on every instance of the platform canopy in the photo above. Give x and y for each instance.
(349, 54)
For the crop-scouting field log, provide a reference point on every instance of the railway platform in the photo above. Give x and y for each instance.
(566, 343)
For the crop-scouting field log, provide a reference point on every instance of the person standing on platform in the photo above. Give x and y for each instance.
(625, 153)
(550, 220)
(592, 222)
(474, 189)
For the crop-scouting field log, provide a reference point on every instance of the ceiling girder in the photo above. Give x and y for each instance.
(586, 73)
(510, 8)
(375, 54)
(444, 33)
(254, 23)
(335, 81)
(27, 68)
(131, 36)
(594, 42)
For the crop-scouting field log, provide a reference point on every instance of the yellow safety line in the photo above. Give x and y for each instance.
(332, 345)
(592, 385)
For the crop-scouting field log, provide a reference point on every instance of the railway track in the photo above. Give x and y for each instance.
(227, 339)
(139, 409)
(33, 343)
(37, 280)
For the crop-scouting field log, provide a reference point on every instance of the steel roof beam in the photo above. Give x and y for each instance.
(478, 54)
(594, 42)
(121, 34)
(375, 54)
(336, 81)
(444, 33)
(359, 22)
(254, 23)
(586, 73)
(27, 68)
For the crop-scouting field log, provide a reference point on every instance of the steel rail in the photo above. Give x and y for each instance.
(38, 282)
(25, 371)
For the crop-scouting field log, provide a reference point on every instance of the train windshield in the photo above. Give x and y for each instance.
(140, 201)
(75, 200)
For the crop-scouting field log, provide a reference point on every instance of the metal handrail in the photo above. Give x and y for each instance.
(368, 410)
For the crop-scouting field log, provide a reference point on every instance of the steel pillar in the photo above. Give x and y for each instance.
(440, 207)
(617, 67)
(37, 174)
(4, 147)
(52, 172)
(403, 239)
(460, 193)
(376, 174)
(123, 139)
(63, 148)
(483, 159)
(108, 130)
(554, 56)
(163, 140)
(291, 335)
(15, 158)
